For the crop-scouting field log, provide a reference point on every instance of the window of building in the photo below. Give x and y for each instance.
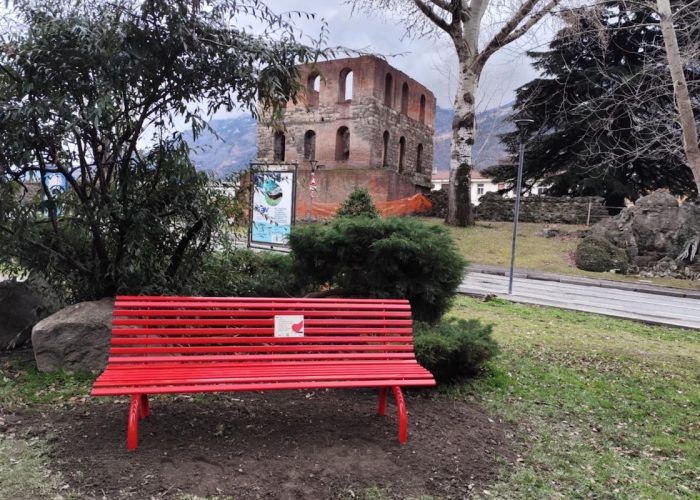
(402, 154)
(479, 189)
(313, 84)
(278, 146)
(404, 98)
(419, 159)
(342, 144)
(385, 148)
(313, 88)
(310, 145)
(388, 89)
(422, 109)
(345, 84)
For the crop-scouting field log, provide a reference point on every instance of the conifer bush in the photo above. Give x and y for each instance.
(600, 255)
(381, 258)
(454, 348)
(358, 203)
(244, 273)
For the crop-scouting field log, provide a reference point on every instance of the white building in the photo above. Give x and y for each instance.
(480, 185)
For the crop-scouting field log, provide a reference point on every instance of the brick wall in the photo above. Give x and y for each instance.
(367, 118)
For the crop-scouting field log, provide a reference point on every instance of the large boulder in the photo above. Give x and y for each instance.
(657, 226)
(21, 307)
(74, 338)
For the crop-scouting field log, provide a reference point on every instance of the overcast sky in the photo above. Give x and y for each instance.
(430, 62)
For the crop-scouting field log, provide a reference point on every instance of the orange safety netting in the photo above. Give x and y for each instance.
(405, 206)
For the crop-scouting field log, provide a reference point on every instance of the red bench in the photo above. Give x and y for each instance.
(166, 345)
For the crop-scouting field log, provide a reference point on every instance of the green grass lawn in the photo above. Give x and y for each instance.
(601, 407)
(490, 242)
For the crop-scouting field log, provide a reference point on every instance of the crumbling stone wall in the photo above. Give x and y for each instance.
(542, 209)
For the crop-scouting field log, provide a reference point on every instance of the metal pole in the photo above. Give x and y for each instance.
(517, 213)
(588, 218)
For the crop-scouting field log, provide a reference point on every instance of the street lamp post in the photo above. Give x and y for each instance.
(523, 129)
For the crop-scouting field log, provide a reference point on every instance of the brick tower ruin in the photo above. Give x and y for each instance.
(365, 123)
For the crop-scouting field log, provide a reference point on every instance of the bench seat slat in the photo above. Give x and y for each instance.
(261, 386)
(192, 377)
(258, 370)
(256, 331)
(264, 313)
(126, 386)
(275, 306)
(228, 363)
(358, 340)
(181, 298)
(268, 348)
(265, 357)
(380, 323)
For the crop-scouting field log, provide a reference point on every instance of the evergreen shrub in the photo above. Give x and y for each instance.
(381, 258)
(454, 348)
(244, 273)
(358, 203)
(600, 255)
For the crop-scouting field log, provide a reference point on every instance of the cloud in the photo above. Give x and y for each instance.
(428, 61)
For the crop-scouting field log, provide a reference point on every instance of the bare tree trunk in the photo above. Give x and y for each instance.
(680, 88)
(459, 212)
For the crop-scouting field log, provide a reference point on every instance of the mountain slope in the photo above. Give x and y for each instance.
(488, 149)
(231, 151)
(234, 147)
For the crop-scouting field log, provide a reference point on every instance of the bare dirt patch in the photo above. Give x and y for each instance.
(291, 444)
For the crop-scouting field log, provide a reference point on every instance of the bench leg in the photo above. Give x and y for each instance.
(132, 428)
(381, 410)
(145, 407)
(403, 415)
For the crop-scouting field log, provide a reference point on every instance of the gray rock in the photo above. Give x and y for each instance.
(658, 200)
(655, 225)
(551, 232)
(21, 307)
(74, 338)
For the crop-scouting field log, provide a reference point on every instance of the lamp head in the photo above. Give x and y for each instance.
(524, 125)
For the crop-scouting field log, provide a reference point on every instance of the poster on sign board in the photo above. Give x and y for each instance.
(272, 208)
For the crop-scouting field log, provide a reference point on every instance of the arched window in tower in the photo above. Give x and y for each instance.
(419, 159)
(345, 84)
(342, 144)
(404, 98)
(313, 88)
(385, 148)
(402, 154)
(388, 89)
(421, 117)
(279, 144)
(313, 84)
(310, 145)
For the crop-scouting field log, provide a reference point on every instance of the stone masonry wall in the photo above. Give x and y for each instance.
(542, 209)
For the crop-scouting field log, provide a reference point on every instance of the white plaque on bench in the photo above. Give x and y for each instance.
(289, 326)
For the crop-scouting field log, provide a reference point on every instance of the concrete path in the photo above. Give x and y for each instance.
(680, 308)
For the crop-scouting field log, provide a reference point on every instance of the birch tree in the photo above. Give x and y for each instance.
(463, 23)
(680, 88)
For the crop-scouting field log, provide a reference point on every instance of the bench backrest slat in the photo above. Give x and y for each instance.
(203, 329)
